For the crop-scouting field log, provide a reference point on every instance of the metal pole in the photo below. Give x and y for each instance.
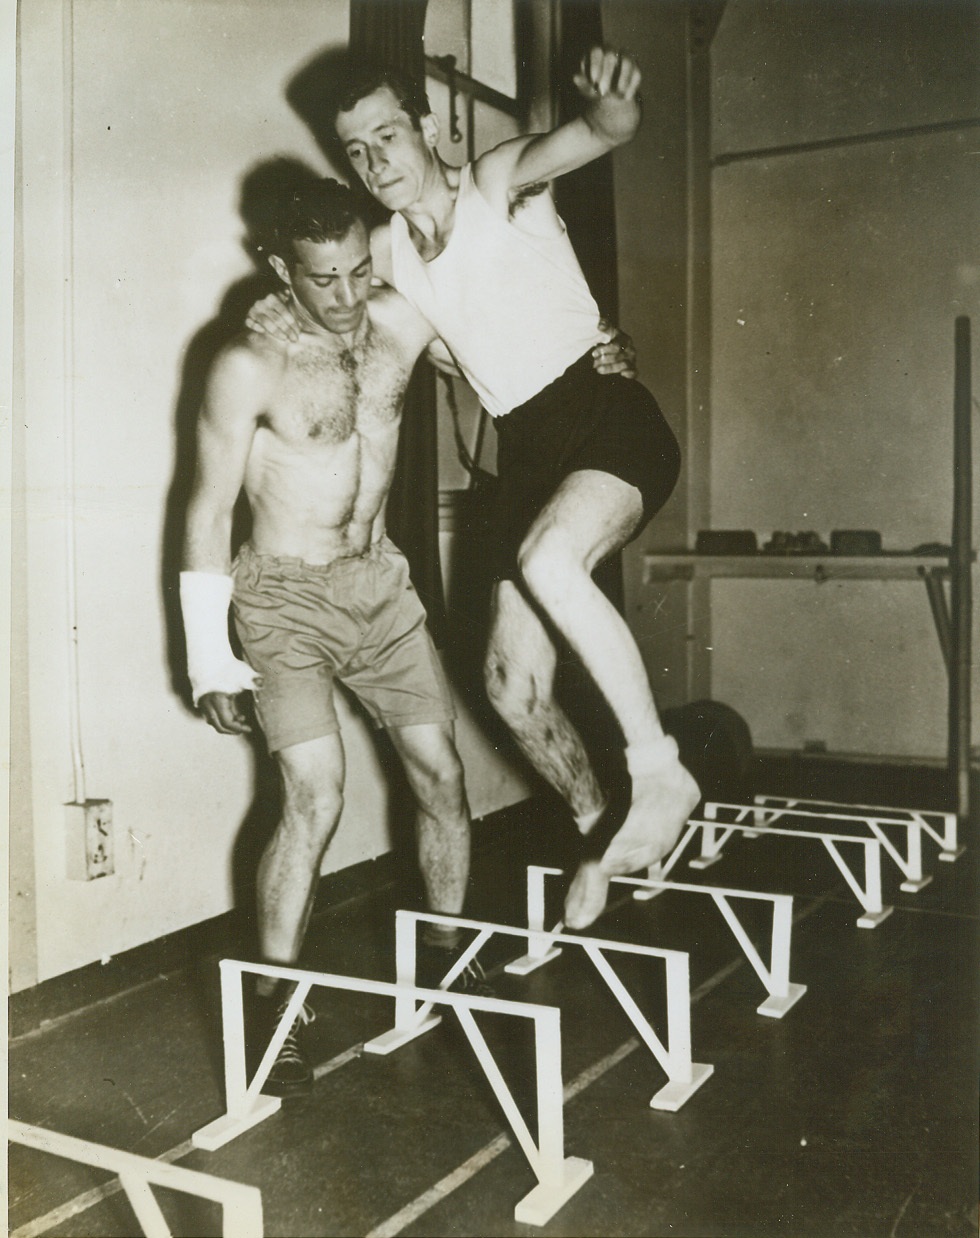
(961, 565)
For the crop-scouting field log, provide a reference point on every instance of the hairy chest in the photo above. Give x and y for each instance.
(328, 394)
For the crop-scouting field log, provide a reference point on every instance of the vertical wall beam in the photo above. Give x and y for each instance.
(698, 447)
(961, 595)
(38, 584)
(22, 892)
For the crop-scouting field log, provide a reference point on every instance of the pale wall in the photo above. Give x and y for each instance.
(838, 273)
(131, 214)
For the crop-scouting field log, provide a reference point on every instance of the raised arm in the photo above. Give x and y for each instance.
(609, 82)
(226, 427)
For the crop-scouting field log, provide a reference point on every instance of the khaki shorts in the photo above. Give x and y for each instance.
(358, 621)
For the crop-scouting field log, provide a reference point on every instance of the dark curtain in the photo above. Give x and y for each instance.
(391, 32)
(585, 202)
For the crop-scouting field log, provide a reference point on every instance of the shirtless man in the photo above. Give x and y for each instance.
(584, 462)
(310, 429)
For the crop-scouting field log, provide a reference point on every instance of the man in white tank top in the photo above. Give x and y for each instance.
(482, 252)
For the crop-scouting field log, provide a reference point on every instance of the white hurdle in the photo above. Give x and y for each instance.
(241, 1204)
(684, 1076)
(944, 834)
(783, 994)
(559, 1177)
(717, 833)
(763, 817)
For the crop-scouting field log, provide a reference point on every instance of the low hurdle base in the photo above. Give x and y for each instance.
(684, 1076)
(558, 1176)
(783, 994)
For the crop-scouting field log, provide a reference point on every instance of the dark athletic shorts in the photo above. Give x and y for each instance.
(359, 621)
(583, 420)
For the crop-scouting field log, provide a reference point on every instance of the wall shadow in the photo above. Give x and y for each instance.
(312, 93)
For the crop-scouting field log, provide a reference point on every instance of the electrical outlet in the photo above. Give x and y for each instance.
(89, 838)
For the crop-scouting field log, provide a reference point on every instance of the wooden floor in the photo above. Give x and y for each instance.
(854, 1116)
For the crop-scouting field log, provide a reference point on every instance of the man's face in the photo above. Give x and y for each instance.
(391, 156)
(331, 280)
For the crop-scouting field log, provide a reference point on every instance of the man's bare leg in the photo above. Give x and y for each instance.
(435, 775)
(591, 516)
(519, 673)
(312, 781)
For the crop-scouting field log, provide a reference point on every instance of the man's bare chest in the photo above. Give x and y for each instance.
(326, 395)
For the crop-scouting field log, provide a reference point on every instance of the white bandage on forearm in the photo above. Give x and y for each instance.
(211, 665)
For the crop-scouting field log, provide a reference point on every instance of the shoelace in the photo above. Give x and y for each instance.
(472, 977)
(290, 1051)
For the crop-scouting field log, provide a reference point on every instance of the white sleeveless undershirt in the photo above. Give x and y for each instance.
(513, 308)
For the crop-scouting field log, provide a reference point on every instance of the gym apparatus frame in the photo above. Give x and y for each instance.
(241, 1204)
(764, 817)
(783, 994)
(945, 834)
(716, 833)
(559, 1177)
(684, 1076)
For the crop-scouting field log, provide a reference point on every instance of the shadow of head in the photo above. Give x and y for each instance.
(314, 92)
(320, 88)
(267, 188)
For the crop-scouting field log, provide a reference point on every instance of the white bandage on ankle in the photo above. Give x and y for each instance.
(652, 757)
(211, 665)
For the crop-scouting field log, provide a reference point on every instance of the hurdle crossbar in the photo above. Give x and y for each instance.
(763, 817)
(783, 994)
(241, 1204)
(945, 833)
(559, 1177)
(684, 1076)
(716, 834)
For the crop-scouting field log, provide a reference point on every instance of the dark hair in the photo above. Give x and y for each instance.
(323, 210)
(367, 78)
